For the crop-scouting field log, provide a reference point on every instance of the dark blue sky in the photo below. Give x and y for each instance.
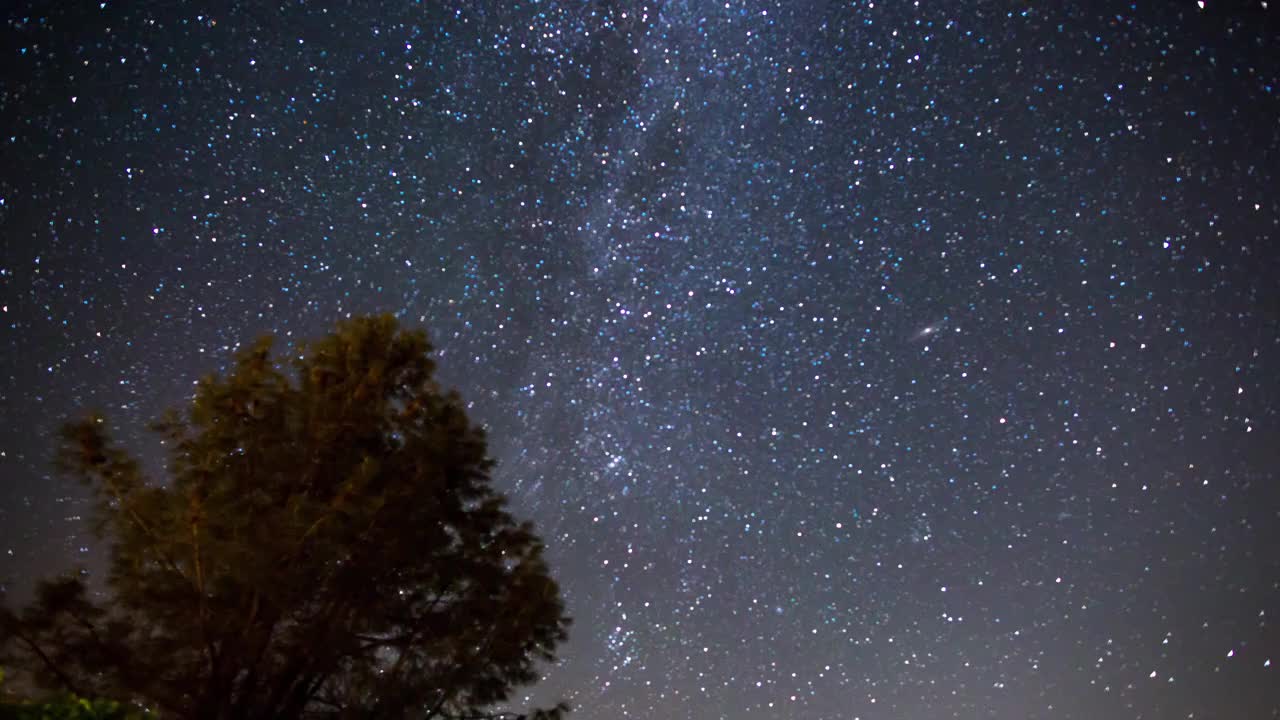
(857, 360)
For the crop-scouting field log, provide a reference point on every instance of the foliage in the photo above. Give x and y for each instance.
(328, 545)
(69, 707)
(66, 707)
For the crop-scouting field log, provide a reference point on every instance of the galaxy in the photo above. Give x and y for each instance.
(856, 360)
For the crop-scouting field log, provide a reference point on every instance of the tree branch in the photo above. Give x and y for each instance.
(48, 662)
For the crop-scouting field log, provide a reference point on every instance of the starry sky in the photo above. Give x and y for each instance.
(895, 359)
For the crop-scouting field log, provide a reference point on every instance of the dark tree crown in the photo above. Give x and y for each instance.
(328, 544)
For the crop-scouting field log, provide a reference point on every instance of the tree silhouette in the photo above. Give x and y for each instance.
(328, 545)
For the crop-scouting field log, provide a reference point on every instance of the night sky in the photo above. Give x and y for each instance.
(892, 359)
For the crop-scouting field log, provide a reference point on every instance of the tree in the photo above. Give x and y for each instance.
(328, 545)
(67, 707)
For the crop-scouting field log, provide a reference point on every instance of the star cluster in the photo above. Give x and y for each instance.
(856, 360)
